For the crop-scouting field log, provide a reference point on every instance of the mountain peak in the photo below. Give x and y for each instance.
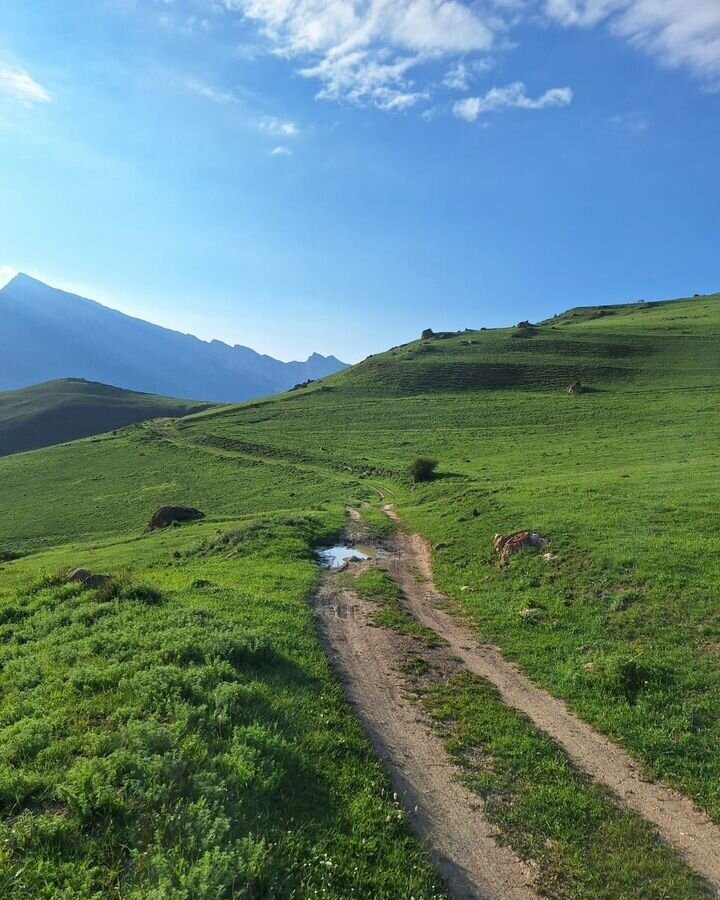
(24, 278)
(48, 334)
(21, 278)
(24, 282)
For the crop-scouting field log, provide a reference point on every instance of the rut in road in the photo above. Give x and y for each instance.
(677, 819)
(446, 815)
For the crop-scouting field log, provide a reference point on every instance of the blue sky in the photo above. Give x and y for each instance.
(336, 175)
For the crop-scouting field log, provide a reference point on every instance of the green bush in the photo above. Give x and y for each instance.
(422, 468)
(141, 593)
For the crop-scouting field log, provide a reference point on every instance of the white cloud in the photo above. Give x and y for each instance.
(364, 51)
(583, 13)
(460, 76)
(18, 86)
(208, 92)
(631, 123)
(680, 33)
(457, 77)
(511, 97)
(7, 273)
(278, 128)
(281, 150)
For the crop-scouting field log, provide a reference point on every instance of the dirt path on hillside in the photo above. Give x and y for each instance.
(678, 821)
(445, 814)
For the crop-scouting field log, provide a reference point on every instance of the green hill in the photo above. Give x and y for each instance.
(72, 408)
(186, 724)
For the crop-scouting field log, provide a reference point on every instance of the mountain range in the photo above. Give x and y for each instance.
(48, 334)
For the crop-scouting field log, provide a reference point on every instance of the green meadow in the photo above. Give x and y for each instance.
(180, 733)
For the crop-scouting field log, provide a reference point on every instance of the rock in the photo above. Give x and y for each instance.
(575, 388)
(506, 545)
(174, 515)
(549, 557)
(79, 575)
(531, 613)
(427, 334)
(89, 579)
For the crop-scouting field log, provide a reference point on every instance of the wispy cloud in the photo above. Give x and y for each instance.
(513, 96)
(631, 123)
(17, 85)
(278, 127)
(7, 273)
(281, 150)
(369, 52)
(208, 92)
(461, 75)
(680, 33)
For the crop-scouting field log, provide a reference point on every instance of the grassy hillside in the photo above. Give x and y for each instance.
(179, 734)
(624, 624)
(65, 410)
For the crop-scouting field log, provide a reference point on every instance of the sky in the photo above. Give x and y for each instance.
(337, 175)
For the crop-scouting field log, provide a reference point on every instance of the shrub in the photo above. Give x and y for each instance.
(422, 468)
(141, 593)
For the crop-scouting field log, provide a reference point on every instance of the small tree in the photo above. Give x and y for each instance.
(422, 468)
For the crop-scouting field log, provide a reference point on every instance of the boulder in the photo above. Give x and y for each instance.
(89, 579)
(174, 515)
(506, 545)
(427, 334)
(575, 388)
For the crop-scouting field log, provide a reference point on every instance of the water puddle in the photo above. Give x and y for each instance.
(336, 557)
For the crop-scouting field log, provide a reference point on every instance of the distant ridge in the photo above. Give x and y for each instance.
(48, 334)
(72, 408)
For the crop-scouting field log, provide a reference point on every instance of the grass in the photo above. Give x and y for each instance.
(377, 522)
(376, 585)
(623, 481)
(182, 735)
(72, 408)
(583, 844)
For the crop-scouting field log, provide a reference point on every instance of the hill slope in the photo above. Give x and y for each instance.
(46, 334)
(65, 410)
(212, 692)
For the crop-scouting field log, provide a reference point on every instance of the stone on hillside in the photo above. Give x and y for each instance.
(89, 579)
(506, 545)
(575, 388)
(174, 515)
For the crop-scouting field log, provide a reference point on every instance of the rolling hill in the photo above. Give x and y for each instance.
(179, 730)
(48, 334)
(72, 408)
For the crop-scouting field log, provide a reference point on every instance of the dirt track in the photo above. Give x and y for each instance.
(449, 817)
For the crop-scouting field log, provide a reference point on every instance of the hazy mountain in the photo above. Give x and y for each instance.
(46, 334)
(60, 411)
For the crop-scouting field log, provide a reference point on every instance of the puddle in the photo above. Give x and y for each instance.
(336, 557)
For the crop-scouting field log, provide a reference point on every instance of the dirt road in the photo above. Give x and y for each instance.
(448, 816)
